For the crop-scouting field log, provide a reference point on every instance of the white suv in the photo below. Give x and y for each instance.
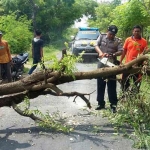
(84, 41)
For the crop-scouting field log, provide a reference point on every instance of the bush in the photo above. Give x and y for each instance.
(134, 112)
(16, 32)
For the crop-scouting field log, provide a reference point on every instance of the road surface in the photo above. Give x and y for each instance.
(21, 133)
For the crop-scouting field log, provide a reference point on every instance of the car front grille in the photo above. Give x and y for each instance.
(90, 51)
(83, 44)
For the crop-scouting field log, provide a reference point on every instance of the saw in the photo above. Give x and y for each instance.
(106, 62)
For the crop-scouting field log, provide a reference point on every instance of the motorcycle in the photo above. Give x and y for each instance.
(17, 68)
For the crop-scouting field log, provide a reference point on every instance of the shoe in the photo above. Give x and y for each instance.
(100, 107)
(113, 109)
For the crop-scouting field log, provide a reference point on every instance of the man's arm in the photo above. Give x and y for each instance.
(98, 50)
(119, 48)
(97, 47)
(146, 49)
(118, 53)
(123, 56)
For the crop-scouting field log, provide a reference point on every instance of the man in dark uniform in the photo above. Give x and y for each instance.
(108, 46)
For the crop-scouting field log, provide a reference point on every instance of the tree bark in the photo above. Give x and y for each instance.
(44, 82)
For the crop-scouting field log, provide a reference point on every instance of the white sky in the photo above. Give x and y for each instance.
(82, 23)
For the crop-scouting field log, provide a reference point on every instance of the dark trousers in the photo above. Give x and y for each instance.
(111, 89)
(5, 71)
(35, 63)
(126, 79)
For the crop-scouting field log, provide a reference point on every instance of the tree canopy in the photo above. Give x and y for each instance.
(130, 14)
(16, 32)
(125, 16)
(53, 16)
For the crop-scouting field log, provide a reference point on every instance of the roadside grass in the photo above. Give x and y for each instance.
(133, 113)
(49, 50)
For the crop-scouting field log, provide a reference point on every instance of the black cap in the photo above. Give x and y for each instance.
(1, 32)
(113, 29)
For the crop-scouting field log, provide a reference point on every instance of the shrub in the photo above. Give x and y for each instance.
(16, 32)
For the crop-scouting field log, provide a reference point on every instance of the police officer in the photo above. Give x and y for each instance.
(108, 45)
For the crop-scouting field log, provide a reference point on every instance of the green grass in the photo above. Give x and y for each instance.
(49, 50)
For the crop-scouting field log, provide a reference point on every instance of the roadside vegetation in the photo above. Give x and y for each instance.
(132, 117)
(19, 19)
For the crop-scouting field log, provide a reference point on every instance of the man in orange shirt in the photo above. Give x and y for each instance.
(5, 59)
(133, 47)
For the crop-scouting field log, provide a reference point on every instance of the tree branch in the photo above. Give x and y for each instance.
(22, 113)
(35, 85)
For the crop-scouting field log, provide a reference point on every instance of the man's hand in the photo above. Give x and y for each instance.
(101, 55)
(107, 55)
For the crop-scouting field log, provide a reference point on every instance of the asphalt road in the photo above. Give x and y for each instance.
(21, 133)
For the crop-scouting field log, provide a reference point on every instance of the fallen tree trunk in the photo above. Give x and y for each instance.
(44, 82)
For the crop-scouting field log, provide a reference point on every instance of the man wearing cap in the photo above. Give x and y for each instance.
(108, 45)
(5, 58)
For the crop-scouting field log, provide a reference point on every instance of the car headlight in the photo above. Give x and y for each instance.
(92, 43)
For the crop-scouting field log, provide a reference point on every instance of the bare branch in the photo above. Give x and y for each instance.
(22, 113)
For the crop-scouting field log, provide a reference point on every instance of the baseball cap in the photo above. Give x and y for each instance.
(113, 29)
(1, 32)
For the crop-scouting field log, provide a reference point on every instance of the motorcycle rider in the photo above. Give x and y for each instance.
(5, 59)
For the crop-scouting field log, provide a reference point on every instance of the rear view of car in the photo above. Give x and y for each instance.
(84, 42)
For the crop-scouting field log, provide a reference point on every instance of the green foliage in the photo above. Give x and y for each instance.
(16, 32)
(69, 32)
(51, 16)
(128, 15)
(124, 16)
(103, 17)
(133, 112)
(52, 56)
(52, 121)
(66, 65)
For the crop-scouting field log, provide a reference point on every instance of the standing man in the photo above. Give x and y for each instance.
(37, 51)
(133, 47)
(108, 44)
(5, 59)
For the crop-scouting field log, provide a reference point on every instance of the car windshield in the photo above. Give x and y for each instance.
(89, 35)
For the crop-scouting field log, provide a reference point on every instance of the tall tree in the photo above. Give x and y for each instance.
(103, 16)
(130, 14)
(52, 16)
